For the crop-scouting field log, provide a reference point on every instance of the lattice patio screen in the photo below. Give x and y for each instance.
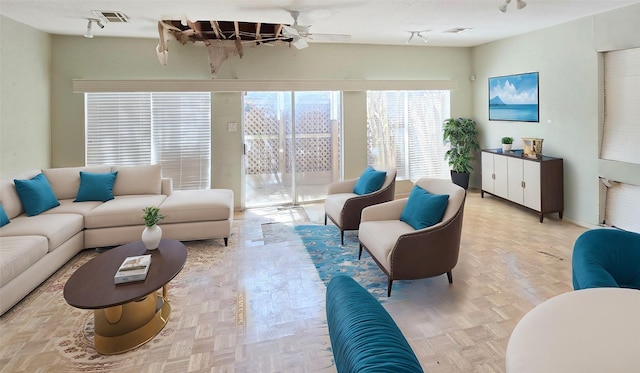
(266, 128)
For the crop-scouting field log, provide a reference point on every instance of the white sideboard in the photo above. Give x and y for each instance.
(536, 183)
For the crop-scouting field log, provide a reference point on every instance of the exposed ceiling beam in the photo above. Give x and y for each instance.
(216, 29)
(258, 36)
(278, 29)
(195, 26)
(238, 41)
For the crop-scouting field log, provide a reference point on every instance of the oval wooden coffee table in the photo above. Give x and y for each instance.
(126, 315)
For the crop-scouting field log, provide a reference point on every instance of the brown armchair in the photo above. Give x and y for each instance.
(344, 207)
(404, 253)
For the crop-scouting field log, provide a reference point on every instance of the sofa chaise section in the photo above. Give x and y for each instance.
(191, 214)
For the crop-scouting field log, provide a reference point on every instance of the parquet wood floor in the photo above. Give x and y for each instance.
(265, 312)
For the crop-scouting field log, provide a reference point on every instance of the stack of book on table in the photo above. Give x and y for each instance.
(133, 268)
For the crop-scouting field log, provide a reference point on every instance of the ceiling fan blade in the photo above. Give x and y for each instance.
(330, 37)
(290, 31)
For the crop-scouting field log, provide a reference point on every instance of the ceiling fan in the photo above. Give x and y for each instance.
(300, 33)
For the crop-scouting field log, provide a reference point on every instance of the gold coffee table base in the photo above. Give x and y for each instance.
(122, 328)
(126, 315)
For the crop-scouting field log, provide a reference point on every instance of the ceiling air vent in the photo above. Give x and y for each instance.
(116, 17)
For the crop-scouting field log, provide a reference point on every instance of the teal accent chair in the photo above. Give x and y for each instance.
(606, 258)
(344, 207)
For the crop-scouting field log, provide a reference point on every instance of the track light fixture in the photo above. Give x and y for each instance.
(418, 34)
(519, 4)
(88, 33)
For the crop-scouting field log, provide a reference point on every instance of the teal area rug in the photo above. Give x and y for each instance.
(330, 259)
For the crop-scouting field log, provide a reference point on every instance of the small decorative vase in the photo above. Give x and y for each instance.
(506, 147)
(151, 237)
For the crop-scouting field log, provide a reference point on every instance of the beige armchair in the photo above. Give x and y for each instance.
(404, 253)
(344, 207)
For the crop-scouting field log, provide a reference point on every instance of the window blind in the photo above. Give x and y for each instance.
(427, 112)
(137, 128)
(621, 134)
(622, 206)
(118, 128)
(182, 137)
(405, 130)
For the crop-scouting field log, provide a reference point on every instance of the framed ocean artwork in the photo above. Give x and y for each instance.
(514, 98)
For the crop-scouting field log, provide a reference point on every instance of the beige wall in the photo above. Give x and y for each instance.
(114, 58)
(24, 98)
(570, 103)
(227, 170)
(568, 94)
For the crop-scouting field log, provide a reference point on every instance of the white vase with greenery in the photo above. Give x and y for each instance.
(152, 234)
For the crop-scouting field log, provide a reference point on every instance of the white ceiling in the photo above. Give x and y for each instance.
(368, 22)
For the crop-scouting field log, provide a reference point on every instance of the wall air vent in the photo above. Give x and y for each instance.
(457, 30)
(111, 16)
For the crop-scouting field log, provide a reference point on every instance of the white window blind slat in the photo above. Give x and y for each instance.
(118, 128)
(182, 137)
(405, 131)
(622, 206)
(621, 134)
(426, 148)
(138, 128)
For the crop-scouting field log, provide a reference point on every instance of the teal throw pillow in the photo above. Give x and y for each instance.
(36, 195)
(4, 219)
(370, 181)
(424, 209)
(96, 187)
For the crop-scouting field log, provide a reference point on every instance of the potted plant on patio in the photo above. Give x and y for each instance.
(462, 136)
(152, 234)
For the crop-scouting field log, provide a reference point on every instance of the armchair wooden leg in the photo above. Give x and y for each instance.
(450, 277)
(226, 241)
(325, 218)
(360, 253)
(342, 237)
(390, 282)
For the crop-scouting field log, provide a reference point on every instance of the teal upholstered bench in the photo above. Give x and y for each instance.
(364, 337)
(606, 258)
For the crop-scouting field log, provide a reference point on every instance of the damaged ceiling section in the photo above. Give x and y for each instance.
(223, 39)
(226, 39)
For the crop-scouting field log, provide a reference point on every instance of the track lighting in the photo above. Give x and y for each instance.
(519, 4)
(418, 34)
(88, 33)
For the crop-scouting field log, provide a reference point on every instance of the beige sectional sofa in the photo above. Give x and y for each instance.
(32, 248)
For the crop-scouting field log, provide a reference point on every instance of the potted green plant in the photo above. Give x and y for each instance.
(152, 234)
(506, 143)
(462, 136)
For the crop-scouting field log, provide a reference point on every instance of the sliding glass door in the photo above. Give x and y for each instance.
(292, 146)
